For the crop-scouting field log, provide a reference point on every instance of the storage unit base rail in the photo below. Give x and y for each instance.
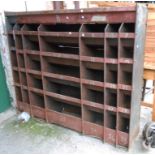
(81, 69)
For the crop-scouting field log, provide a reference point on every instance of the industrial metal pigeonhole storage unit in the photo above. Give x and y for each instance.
(81, 69)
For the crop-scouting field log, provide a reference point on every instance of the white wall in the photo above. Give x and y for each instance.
(19, 5)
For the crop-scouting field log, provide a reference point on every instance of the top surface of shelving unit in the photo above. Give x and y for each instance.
(98, 10)
(101, 15)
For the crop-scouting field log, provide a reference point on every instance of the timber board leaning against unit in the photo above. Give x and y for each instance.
(81, 69)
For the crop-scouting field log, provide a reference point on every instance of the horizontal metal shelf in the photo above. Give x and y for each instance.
(17, 84)
(59, 34)
(63, 97)
(124, 110)
(36, 90)
(15, 68)
(93, 104)
(110, 108)
(61, 77)
(92, 35)
(60, 55)
(92, 59)
(93, 83)
(74, 34)
(33, 71)
(107, 60)
(30, 52)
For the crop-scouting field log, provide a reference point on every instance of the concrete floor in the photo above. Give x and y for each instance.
(39, 137)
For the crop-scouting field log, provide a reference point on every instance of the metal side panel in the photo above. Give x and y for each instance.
(137, 71)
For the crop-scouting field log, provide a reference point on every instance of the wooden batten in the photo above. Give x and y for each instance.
(149, 59)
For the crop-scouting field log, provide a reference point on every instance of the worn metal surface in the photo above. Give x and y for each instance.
(137, 71)
(78, 68)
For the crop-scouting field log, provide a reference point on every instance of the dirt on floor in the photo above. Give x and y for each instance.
(37, 136)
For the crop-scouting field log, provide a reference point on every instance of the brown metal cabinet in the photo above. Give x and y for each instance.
(81, 69)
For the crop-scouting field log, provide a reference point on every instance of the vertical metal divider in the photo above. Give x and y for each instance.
(24, 51)
(118, 80)
(42, 76)
(15, 41)
(80, 65)
(105, 48)
(19, 72)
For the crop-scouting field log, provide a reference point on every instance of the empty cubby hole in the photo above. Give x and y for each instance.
(126, 48)
(23, 78)
(126, 74)
(18, 93)
(11, 40)
(125, 99)
(63, 87)
(13, 58)
(112, 48)
(16, 76)
(93, 115)
(30, 27)
(63, 107)
(93, 50)
(49, 45)
(93, 42)
(93, 71)
(21, 60)
(18, 40)
(123, 124)
(33, 62)
(113, 28)
(93, 95)
(128, 27)
(61, 28)
(110, 120)
(111, 73)
(31, 42)
(37, 99)
(61, 66)
(18, 27)
(35, 81)
(10, 26)
(25, 96)
(111, 97)
(48, 41)
(97, 28)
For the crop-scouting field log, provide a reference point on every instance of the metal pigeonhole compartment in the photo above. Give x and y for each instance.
(81, 69)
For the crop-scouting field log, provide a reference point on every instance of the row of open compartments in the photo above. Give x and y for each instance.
(92, 27)
(83, 119)
(67, 90)
(114, 73)
(90, 114)
(92, 47)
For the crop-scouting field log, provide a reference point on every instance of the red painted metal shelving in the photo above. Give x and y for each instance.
(81, 69)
